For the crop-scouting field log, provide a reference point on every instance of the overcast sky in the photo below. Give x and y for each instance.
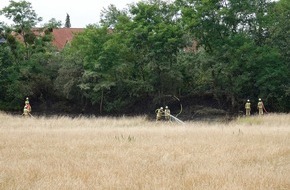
(81, 12)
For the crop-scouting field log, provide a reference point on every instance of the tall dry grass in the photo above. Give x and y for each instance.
(134, 153)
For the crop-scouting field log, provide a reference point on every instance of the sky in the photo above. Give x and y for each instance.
(82, 13)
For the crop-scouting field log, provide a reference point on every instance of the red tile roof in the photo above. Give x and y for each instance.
(61, 36)
(35, 31)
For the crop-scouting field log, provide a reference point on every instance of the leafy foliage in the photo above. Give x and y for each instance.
(228, 51)
(67, 21)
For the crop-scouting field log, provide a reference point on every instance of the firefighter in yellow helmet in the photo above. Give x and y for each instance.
(260, 107)
(248, 108)
(159, 112)
(167, 113)
(27, 108)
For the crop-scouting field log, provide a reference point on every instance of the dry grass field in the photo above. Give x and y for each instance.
(135, 153)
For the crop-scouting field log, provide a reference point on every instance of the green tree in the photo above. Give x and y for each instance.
(67, 21)
(52, 23)
(24, 18)
(95, 79)
(280, 30)
(136, 57)
(69, 77)
(156, 39)
(109, 16)
(235, 33)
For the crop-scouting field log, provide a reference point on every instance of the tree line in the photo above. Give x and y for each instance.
(136, 59)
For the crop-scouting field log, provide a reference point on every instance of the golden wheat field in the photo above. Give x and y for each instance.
(135, 153)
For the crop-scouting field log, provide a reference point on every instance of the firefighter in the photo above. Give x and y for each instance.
(260, 107)
(25, 111)
(27, 108)
(167, 113)
(159, 112)
(248, 108)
